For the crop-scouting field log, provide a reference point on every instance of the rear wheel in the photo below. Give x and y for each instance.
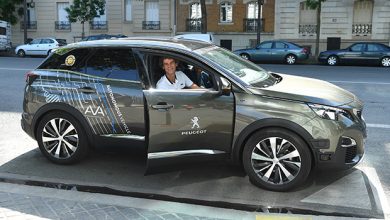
(61, 138)
(21, 53)
(245, 56)
(291, 59)
(332, 60)
(276, 159)
(385, 61)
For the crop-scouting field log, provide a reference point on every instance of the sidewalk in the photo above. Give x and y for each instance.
(32, 202)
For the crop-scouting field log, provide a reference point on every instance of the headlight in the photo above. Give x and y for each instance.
(331, 113)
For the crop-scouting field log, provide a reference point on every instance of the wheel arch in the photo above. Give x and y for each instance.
(62, 107)
(245, 134)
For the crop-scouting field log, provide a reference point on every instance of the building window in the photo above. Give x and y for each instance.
(152, 15)
(195, 11)
(226, 13)
(128, 10)
(62, 22)
(307, 20)
(252, 10)
(362, 17)
(100, 22)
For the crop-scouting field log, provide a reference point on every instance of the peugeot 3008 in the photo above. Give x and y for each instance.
(278, 127)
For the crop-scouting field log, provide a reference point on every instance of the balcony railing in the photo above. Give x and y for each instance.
(62, 25)
(250, 24)
(151, 25)
(98, 25)
(32, 25)
(361, 29)
(307, 29)
(194, 25)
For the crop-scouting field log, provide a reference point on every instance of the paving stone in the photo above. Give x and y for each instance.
(130, 213)
(170, 216)
(84, 216)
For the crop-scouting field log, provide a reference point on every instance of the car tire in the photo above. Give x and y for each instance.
(245, 56)
(63, 130)
(21, 53)
(266, 161)
(332, 60)
(290, 59)
(385, 62)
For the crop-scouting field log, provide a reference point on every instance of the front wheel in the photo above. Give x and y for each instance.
(276, 159)
(21, 53)
(245, 56)
(61, 138)
(385, 62)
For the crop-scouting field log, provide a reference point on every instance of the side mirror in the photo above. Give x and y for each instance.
(225, 87)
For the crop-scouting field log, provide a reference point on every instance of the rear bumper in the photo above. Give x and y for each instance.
(26, 125)
(302, 56)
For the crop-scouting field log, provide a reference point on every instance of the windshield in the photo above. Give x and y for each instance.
(247, 71)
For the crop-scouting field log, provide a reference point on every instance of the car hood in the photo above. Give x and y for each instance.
(307, 90)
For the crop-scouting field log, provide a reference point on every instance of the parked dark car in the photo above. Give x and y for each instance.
(275, 51)
(103, 36)
(279, 127)
(359, 53)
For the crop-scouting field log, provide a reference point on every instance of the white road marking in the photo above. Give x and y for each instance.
(16, 69)
(378, 126)
(351, 82)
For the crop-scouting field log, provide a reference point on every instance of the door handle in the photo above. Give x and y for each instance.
(87, 90)
(162, 106)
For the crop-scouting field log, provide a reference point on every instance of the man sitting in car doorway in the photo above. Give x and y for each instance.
(174, 80)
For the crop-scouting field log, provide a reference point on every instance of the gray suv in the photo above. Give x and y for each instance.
(278, 127)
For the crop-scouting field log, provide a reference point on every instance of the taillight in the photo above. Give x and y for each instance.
(30, 77)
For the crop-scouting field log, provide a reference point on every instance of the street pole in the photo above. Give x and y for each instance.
(259, 5)
(25, 20)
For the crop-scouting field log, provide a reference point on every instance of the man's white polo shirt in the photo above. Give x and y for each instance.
(181, 81)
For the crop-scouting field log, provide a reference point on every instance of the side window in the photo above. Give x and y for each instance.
(357, 47)
(280, 45)
(373, 48)
(267, 45)
(66, 59)
(113, 63)
(35, 41)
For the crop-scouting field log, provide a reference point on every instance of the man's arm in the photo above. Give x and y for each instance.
(194, 86)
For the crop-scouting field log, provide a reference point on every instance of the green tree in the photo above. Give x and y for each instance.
(85, 11)
(203, 27)
(316, 4)
(8, 9)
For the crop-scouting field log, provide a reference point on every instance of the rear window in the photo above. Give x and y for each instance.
(3, 31)
(62, 42)
(66, 59)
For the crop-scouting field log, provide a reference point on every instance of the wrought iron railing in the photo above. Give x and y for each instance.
(98, 25)
(62, 25)
(194, 25)
(250, 24)
(307, 29)
(151, 25)
(361, 29)
(32, 25)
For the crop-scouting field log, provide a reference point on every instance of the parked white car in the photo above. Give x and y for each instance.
(39, 46)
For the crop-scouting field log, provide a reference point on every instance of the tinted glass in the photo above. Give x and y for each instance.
(374, 47)
(58, 58)
(266, 45)
(113, 63)
(47, 41)
(357, 47)
(2, 31)
(35, 41)
(280, 45)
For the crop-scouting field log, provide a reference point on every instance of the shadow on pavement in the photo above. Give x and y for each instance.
(120, 171)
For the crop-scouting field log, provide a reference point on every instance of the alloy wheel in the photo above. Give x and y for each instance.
(276, 160)
(332, 60)
(290, 59)
(60, 138)
(21, 53)
(386, 62)
(245, 56)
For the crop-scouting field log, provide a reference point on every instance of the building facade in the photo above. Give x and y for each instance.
(48, 18)
(345, 21)
(232, 22)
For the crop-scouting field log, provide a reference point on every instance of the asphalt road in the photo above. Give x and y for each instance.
(362, 191)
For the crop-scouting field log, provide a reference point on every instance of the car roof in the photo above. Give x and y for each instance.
(152, 42)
